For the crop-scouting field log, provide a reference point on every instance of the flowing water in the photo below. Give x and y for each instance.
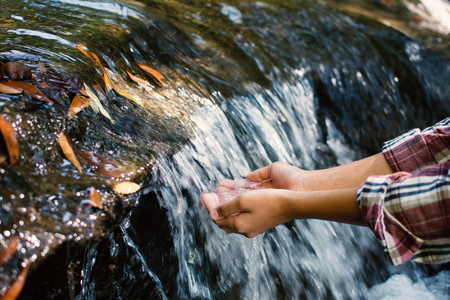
(315, 84)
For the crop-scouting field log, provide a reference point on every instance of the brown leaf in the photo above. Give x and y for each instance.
(6, 89)
(42, 68)
(16, 70)
(10, 138)
(57, 80)
(9, 251)
(79, 102)
(154, 73)
(95, 197)
(68, 151)
(29, 90)
(127, 187)
(14, 290)
(100, 164)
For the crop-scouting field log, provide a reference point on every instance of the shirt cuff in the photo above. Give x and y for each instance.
(397, 241)
(408, 152)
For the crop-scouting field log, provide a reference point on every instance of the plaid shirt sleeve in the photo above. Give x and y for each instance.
(409, 210)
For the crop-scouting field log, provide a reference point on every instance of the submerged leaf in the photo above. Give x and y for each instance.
(29, 90)
(127, 187)
(10, 138)
(154, 73)
(66, 148)
(9, 251)
(14, 290)
(9, 90)
(95, 197)
(16, 70)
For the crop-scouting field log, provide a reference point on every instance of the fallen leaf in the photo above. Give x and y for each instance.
(14, 290)
(141, 82)
(127, 187)
(68, 151)
(6, 89)
(79, 102)
(154, 73)
(95, 197)
(10, 138)
(29, 90)
(96, 104)
(9, 251)
(16, 71)
(94, 56)
(121, 87)
(99, 164)
(42, 68)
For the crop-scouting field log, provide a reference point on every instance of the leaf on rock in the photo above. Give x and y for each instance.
(67, 149)
(94, 56)
(154, 73)
(99, 164)
(10, 138)
(6, 89)
(29, 90)
(9, 251)
(127, 187)
(141, 82)
(79, 102)
(14, 290)
(95, 197)
(42, 68)
(121, 87)
(16, 70)
(96, 104)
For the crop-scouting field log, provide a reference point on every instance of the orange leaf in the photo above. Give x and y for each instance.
(10, 137)
(68, 151)
(100, 164)
(79, 103)
(158, 76)
(14, 290)
(107, 81)
(141, 82)
(8, 89)
(127, 187)
(95, 197)
(29, 90)
(9, 251)
(94, 56)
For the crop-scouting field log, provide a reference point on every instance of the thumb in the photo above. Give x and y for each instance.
(227, 209)
(260, 174)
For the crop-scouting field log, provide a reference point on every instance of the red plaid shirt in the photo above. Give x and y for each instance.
(409, 211)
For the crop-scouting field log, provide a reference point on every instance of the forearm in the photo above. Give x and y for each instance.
(347, 176)
(332, 205)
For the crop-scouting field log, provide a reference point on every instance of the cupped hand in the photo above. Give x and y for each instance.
(280, 175)
(250, 213)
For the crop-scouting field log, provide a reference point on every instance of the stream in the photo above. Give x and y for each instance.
(315, 84)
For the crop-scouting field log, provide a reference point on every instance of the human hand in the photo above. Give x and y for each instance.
(249, 213)
(277, 175)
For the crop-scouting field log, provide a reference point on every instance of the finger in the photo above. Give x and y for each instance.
(211, 200)
(234, 184)
(228, 224)
(260, 174)
(227, 209)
